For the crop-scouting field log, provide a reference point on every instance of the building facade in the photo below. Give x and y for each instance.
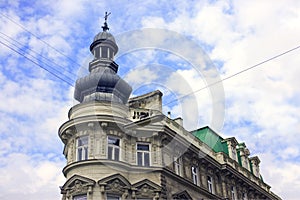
(121, 148)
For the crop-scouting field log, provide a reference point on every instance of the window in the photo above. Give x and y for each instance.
(233, 193)
(244, 196)
(195, 174)
(143, 156)
(210, 184)
(112, 197)
(178, 165)
(233, 150)
(104, 52)
(82, 148)
(113, 152)
(80, 197)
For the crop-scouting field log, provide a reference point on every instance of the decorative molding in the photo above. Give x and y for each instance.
(77, 185)
(115, 184)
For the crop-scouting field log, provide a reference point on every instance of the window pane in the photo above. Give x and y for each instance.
(81, 197)
(143, 147)
(194, 171)
(117, 154)
(82, 141)
(208, 178)
(140, 158)
(146, 159)
(109, 153)
(114, 141)
(104, 52)
(112, 197)
(79, 154)
(85, 153)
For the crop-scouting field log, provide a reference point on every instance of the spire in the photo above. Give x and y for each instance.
(105, 27)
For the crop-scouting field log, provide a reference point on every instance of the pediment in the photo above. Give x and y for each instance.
(148, 183)
(77, 180)
(182, 195)
(115, 183)
(146, 188)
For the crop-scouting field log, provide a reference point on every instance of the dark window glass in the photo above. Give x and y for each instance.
(112, 197)
(79, 154)
(109, 153)
(81, 197)
(143, 147)
(117, 154)
(97, 52)
(146, 159)
(114, 141)
(104, 52)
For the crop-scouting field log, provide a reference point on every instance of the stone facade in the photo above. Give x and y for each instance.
(127, 149)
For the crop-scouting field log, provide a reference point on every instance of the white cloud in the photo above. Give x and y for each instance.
(30, 177)
(262, 103)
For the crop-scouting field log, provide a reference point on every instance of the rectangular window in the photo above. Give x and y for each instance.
(104, 52)
(244, 196)
(195, 174)
(112, 197)
(233, 193)
(113, 152)
(80, 197)
(143, 155)
(178, 165)
(210, 184)
(82, 148)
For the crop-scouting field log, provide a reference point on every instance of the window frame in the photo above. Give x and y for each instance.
(244, 196)
(178, 165)
(210, 184)
(80, 197)
(233, 193)
(84, 148)
(144, 153)
(195, 175)
(114, 148)
(113, 195)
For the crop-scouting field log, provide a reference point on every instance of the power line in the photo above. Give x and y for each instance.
(34, 62)
(23, 53)
(39, 38)
(235, 74)
(40, 55)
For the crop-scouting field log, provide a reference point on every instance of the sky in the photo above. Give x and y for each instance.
(178, 47)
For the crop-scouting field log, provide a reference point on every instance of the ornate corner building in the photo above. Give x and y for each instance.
(120, 148)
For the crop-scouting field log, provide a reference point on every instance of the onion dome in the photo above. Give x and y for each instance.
(103, 83)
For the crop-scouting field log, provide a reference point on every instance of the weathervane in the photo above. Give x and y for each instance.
(105, 27)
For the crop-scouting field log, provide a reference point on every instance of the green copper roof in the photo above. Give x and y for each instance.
(212, 139)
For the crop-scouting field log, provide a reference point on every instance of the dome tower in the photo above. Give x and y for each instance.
(103, 83)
